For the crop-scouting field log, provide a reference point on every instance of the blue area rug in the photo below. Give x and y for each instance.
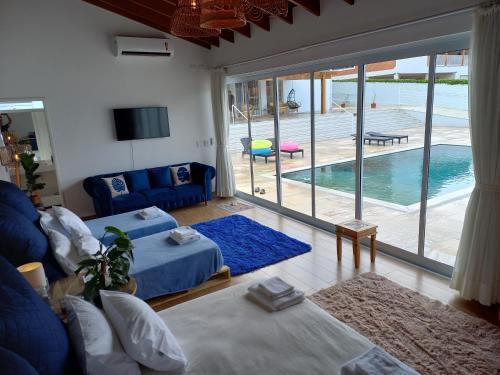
(247, 245)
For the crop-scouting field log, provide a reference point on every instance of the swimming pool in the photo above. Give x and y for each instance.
(397, 177)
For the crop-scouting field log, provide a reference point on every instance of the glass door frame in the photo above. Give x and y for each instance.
(423, 48)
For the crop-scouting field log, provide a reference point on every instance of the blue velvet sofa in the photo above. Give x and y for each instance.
(151, 187)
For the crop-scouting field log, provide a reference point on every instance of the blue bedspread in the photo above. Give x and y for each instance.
(131, 223)
(162, 267)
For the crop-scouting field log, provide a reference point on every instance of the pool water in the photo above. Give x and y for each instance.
(397, 177)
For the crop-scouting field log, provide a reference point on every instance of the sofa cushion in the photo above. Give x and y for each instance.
(137, 180)
(161, 194)
(21, 240)
(117, 185)
(189, 190)
(30, 328)
(160, 177)
(12, 196)
(181, 174)
(129, 202)
(14, 364)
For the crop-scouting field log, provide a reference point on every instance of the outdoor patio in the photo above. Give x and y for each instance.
(398, 225)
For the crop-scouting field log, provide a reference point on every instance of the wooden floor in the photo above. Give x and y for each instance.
(319, 268)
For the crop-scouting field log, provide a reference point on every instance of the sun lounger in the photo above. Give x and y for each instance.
(393, 136)
(379, 139)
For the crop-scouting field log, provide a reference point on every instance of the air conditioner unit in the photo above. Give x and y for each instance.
(128, 46)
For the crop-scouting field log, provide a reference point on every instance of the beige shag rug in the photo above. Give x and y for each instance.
(429, 336)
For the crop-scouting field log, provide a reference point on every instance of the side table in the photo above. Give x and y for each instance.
(356, 230)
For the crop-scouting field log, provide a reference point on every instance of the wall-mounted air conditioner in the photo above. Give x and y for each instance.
(128, 46)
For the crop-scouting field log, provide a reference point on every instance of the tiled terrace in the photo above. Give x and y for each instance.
(398, 226)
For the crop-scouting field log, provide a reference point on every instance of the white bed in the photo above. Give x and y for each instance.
(227, 333)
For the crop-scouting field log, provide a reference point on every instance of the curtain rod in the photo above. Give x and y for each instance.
(365, 33)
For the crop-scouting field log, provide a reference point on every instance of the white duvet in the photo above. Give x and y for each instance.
(227, 333)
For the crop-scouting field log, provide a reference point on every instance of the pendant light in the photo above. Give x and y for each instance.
(222, 14)
(186, 21)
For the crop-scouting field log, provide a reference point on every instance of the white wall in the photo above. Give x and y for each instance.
(338, 19)
(60, 50)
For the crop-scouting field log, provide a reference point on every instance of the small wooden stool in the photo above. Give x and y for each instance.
(356, 229)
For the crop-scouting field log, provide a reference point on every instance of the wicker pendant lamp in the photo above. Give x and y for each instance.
(222, 14)
(186, 21)
(273, 7)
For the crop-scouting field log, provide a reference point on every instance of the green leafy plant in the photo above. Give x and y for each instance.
(30, 167)
(108, 268)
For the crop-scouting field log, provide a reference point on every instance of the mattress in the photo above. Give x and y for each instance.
(132, 223)
(162, 267)
(227, 333)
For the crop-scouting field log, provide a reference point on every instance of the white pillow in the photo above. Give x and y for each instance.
(85, 244)
(116, 185)
(97, 347)
(64, 251)
(181, 174)
(49, 220)
(71, 222)
(143, 334)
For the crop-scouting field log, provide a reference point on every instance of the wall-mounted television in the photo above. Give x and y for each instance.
(141, 123)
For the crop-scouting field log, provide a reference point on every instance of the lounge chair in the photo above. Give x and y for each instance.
(284, 149)
(393, 136)
(248, 150)
(379, 139)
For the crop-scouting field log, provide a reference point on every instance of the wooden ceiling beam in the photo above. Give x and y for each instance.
(244, 30)
(212, 40)
(312, 6)
(130, 10)
(289, 16)
(159, 6)
(264, 23)
(350, 2)
(227, 34)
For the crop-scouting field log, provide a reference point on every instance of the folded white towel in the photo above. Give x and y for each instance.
(185, 235)
(151, 213)
(183, 232)
(376, 362)
(293, 298)
(274, 287)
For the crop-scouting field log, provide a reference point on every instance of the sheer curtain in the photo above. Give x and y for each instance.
(477, 268)
(225, 184)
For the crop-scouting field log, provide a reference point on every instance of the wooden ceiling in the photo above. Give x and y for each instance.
(158, 15)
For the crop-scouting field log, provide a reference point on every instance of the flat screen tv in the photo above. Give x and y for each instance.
(141, 123)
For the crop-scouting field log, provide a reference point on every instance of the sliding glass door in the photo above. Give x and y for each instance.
(294, 95)
(394, 126)
(451, 173)
(386, 141)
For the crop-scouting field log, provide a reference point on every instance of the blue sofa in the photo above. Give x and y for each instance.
(151, 187)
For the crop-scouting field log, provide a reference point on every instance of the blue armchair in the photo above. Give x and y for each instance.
(148, 187)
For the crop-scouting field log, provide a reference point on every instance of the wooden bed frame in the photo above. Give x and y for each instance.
(215, 282)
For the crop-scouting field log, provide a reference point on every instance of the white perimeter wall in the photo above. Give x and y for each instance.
(338, 19)
(60, 50)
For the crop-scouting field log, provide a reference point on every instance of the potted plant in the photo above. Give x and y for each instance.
(344, 103)
(108, 268)
(32, 184)
(374, 103)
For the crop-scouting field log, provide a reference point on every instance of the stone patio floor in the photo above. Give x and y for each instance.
(397, 226)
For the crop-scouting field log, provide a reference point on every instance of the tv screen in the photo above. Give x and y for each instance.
(140, 123)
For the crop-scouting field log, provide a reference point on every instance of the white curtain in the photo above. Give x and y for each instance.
(477, 268)
(225, 184)
(42, 135)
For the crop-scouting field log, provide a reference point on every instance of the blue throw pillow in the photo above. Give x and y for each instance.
(13, 364)
(21, 241)
(30, 328)
(181, 174)
(137, 180)
(160, 177)
(12, 196)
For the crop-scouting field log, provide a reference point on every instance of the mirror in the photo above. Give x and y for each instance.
(25, 129)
